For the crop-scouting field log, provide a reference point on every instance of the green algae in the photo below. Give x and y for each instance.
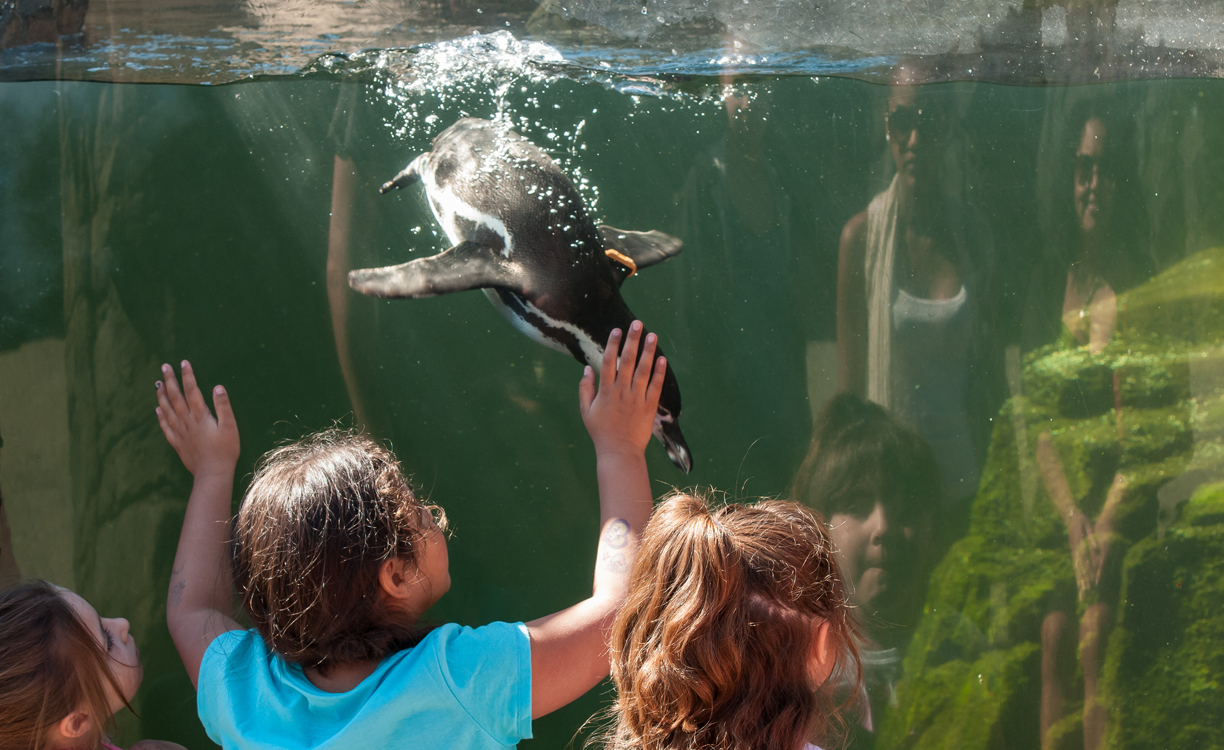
(1150, 406)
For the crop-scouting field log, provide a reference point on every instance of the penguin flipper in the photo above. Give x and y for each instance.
(465, 266)
(643, 248)
(409, 175)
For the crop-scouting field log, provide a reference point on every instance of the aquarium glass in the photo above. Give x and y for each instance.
(995, 229)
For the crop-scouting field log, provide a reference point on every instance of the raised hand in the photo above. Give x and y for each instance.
(204, 443)
(621, 416)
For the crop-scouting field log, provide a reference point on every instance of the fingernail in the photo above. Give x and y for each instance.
(635, 325)
(616, 332)
(650, 338)
(219, 390)
(586, 371)
(660, 361)
(185, 364)
(165, 368)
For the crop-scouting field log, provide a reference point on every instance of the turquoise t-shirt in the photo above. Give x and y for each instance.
(463, 688)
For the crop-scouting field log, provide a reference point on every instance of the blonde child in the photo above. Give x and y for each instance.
(335, 559)
(64, 671)
(734, 634)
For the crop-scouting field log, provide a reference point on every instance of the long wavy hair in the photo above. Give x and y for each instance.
(713, 648)
(50, 666)
(319, 519)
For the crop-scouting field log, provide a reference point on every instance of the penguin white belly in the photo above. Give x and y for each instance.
(446, 206)
(592, 351)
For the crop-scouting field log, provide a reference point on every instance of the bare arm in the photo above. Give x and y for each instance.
(200, 601)
(569, 652)
(852, 307)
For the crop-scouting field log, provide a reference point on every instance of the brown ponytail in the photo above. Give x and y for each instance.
(50, 666)
(713, 646)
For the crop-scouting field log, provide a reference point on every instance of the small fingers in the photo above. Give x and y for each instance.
(167, 430)
(221, 404)
(607, 368)
(164, 409)
(191, 390)
(655, 389)
(645, 363)
(586, 389)
(175, 397)
(629, 352)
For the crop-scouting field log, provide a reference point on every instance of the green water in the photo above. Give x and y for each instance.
(150, 223)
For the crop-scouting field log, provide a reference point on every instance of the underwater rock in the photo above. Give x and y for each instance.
(40, 21)
(1148, 408)
(1164, 672)
(522, 234)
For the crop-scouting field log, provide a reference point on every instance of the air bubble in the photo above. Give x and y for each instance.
(644, 8)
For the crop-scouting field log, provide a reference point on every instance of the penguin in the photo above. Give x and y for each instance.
(522, 234)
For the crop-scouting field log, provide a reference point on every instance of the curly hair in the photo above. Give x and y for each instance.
(50, 666)
(713, 647)
(327, 510)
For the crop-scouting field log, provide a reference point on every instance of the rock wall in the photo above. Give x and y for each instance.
(128, 496)
(1150, 409)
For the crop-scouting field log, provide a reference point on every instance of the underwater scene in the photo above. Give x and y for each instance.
(978, 326)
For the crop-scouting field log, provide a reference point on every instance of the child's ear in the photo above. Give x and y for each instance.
(397, 577)
(823, 654)
(76, 724)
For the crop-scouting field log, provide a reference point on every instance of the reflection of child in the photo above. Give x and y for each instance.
(735, 621)
(877, 483)
(64, 671)
(336, 559)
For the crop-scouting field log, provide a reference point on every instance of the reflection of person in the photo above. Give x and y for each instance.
(1091, 227)
(736, 208)
(1090, 543)
(911, 299)
(734, 623)
(344, 175)
(876, 482)
(1091, 221)
(338, 657)
(64, 671)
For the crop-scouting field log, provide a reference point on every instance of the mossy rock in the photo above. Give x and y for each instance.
(1206, 507)
(964, 704)
(988, 597)
(1164, 671)
(1184, 303)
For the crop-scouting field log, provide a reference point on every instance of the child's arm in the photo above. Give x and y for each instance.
(569, 649)
(200, 598)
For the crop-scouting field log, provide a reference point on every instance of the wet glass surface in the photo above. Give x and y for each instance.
(1016, 289)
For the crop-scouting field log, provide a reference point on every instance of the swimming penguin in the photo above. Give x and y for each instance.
(522, 234)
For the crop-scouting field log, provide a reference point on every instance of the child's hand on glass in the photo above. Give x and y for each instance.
(621, 416)
(205, 444)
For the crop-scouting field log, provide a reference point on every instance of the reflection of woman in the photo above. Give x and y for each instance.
(1075, 295)
(910, 297)
(1077, 302)
(876, 483)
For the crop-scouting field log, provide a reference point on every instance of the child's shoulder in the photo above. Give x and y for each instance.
(455, 638)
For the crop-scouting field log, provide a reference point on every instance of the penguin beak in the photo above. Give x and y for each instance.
(667, 432)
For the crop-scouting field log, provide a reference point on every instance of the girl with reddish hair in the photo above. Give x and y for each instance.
(736, 633)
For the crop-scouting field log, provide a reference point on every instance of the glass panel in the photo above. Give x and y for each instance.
(1016, 291)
